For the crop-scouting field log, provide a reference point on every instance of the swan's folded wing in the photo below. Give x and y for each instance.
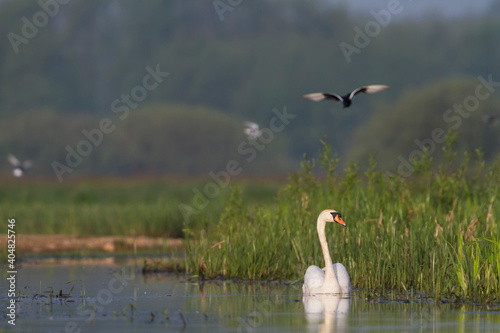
(342, 277)
(313, 279)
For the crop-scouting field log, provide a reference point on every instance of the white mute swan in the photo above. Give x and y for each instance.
(333, 279)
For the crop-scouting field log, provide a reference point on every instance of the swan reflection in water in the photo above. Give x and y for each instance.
(326, 313)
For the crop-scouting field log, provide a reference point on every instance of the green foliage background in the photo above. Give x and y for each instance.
(264, 54)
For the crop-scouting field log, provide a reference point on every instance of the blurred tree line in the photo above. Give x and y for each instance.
(61, 75)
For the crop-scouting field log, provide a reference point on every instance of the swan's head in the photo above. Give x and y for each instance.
(330, 215)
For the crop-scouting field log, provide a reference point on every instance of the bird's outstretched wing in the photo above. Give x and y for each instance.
(13, 160)
(321, 96)
(368, 89)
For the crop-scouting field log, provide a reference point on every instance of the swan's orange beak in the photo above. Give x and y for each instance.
(339, 220)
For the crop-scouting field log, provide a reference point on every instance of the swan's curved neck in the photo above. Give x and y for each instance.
(330, 278)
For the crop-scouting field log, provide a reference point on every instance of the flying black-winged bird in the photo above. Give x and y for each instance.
(18, 168)
(346, 99)
(252, 130)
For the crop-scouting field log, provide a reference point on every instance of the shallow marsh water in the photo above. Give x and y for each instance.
(115, 298)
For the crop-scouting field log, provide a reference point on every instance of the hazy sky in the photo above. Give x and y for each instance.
(415, 8)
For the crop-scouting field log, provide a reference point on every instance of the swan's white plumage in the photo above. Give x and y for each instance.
(315, 277)
(342, 277)
(319, 281)
(313, 280)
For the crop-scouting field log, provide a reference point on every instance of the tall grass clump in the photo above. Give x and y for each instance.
(432, 233)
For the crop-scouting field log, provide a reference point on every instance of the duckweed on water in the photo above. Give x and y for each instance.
(433, 233)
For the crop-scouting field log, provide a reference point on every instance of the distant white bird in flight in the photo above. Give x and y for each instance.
(19, 168)
(346, 99)
(252, 130)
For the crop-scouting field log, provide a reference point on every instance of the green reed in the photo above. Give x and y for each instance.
(432, 233)
(114, 206)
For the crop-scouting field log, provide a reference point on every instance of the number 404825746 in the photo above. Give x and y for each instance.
(11, 243)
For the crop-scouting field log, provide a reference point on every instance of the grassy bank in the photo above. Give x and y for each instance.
(117, 207)
(434, 232)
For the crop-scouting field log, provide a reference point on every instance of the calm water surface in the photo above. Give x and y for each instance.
(112, 298)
